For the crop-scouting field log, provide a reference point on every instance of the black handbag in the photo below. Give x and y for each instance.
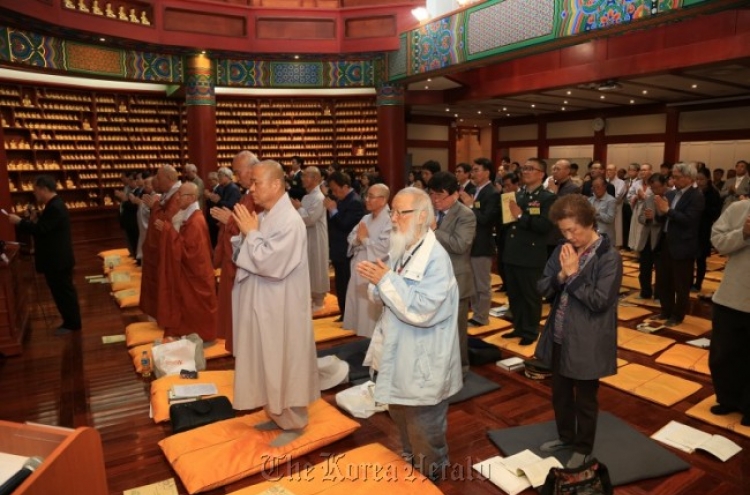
(592, 478)
(188, 415)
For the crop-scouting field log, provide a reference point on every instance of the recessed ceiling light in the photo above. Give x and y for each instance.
(504, 109)
(455, 115)
(533, 106)
(462, 120)
(632, 101)
(507, 114)
(568, 92)
(601, 97)
(563, 109)
(102, 39)
(426, 87)
(645, 91)
(447, 109)
(694, 86)
(203, 52)
(479, 112)
(565, 102)
(429, 79)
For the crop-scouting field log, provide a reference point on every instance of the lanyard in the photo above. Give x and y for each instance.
(408, 258)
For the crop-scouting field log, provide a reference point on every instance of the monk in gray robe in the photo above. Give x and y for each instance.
(274, 344)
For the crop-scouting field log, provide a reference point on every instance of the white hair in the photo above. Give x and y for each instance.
(190, 167)
(225, 172)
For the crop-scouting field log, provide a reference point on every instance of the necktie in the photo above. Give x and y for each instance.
(440, 217)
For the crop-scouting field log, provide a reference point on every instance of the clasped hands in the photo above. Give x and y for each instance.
(246, 220)
(371, 271)
(568, 262)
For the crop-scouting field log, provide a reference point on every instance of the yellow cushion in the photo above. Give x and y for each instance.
(651, 384)
(511, 345)
(326, 329)
(730, 421)
(687, 357)
(224, 381)
(128, 298)
(223, 452)
(694, 326)
(374, 470)
(644, 343)
(627, 313)
(330, 307)
(142, 332)
(493, 325)
(123, 252)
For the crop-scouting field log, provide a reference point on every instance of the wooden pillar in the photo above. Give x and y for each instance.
(7, 230)
(392, 135)
(200, 101)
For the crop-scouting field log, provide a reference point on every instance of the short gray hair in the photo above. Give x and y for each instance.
(421, 203)
(686, 169)
(190, 167)
(226, 173)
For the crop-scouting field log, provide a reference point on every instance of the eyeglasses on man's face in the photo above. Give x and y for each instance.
(529, 168)
(401, 213)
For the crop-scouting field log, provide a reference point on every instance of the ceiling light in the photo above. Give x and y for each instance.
(296, 57)
(102, 39)
(504, 109)
(420, 14)
(461, 120)
(533, 106)
(429, 79)
(568, 92)
(455, 115)
(507, 114)
(563, 109)
(632, 101)
(601, 97)
(479, 112)
(565, 102)
(203, 52)
(447, 109)
(645, 92)
(694, 86)
(426, 87)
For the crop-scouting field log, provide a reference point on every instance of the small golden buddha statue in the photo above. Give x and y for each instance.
(69, 4)
(144, 19)
(109, 12)
(96, 9)
(82, 7)
(26, 101)
(121, 14)
(134, 17)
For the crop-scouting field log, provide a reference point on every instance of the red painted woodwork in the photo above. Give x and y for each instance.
(282, 28)
(392, 145)
(358, 26)
(7, 232)
(201, 142)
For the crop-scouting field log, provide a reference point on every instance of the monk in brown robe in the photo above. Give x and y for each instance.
(188, 302)
(242, 168)
(163, 206)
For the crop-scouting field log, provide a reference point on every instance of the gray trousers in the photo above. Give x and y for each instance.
(423, 435)
(482, 298)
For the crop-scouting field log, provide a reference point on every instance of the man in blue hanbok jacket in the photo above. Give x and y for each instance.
(415, 345)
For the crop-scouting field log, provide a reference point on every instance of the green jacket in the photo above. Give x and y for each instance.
(526, 238)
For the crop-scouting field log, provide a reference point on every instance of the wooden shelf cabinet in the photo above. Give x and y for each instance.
(14, 310)
(73, 459)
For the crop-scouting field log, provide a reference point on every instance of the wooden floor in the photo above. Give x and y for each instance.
(76, 380)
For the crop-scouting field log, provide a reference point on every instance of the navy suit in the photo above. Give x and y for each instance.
(679, 247)
(349, 211)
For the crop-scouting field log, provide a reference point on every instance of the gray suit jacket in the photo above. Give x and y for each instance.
(456, 235)
(651, 228)
(743, 190)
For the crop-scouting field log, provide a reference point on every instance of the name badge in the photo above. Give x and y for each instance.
(476, 204)
(535, 210)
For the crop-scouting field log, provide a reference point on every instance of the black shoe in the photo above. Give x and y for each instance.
(662, 316)
(672, 322)
(527, 341)
(475, 323)
(695, 288)
(511, 335)
(722, 410)
(745, 420)
(59, 331)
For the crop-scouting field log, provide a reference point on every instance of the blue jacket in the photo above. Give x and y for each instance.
(420, 363)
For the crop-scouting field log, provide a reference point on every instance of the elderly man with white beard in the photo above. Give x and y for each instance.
(415, 345)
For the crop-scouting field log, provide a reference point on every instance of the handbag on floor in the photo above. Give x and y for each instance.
(592, 478)
(188, 415)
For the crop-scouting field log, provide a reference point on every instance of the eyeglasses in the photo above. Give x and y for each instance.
(372, 196)
(401, 213)
(527, 168)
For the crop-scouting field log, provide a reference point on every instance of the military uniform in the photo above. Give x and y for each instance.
(524, 258)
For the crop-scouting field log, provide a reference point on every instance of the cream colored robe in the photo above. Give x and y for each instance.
(313, 213)
(274, 344)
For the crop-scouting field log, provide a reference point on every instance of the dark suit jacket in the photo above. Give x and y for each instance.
(230, 195)
(486, 208)
(684, 221)
(456, 235)
(296, 189)
(350, 212)
(470, 188)
(53, 249)
(711, 213)
(526, 239)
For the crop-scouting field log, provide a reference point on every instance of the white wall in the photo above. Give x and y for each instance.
(715, 154)
(715, 120)
(624, 154)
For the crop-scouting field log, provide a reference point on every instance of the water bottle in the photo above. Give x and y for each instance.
(145, 365)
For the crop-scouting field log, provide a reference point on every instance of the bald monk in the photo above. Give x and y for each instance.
(189, 304)
(163, 206)
(242, 167)
(274, 345)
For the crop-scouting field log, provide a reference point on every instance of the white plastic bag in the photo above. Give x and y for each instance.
(359, 401)
(172, 357)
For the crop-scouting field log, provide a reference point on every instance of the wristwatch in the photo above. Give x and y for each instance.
(519, 215)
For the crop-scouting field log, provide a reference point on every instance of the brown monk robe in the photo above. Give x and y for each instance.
(187, 301)
(165, 182)
(242, 167)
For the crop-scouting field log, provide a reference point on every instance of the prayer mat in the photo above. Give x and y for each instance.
(330, 307)
(631, 272)
(715, 276)
(643, 458)
(702, 411)
(635, 298)
(709, 286)
(694, 326)
(368, 470)
(326, 329)
(499, 298)
(628, 313)
(125, 280)
(224, 381)
(545, 310)
(631, 282)
(631, 264)
(142, 332)
(220, 453)
(493, 325)
(642, 343)
(621, 362)
(687, 357)
(128, 298)
(495, 280)
(122, 252)
(354, 354)
(650, 384)
(474, 386)
(511, 345)
(716, 263)
(625, 290)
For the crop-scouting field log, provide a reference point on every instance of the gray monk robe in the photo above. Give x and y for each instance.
(274, 344)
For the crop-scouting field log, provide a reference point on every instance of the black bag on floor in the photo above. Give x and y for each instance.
(188, 415)
(592, 478)
(481, 352)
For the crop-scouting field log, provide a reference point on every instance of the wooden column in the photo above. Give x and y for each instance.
(7, 231)
(200, 100)
(392, 135)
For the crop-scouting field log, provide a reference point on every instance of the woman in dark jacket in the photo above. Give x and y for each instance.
(710, 214)
(579, 341)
